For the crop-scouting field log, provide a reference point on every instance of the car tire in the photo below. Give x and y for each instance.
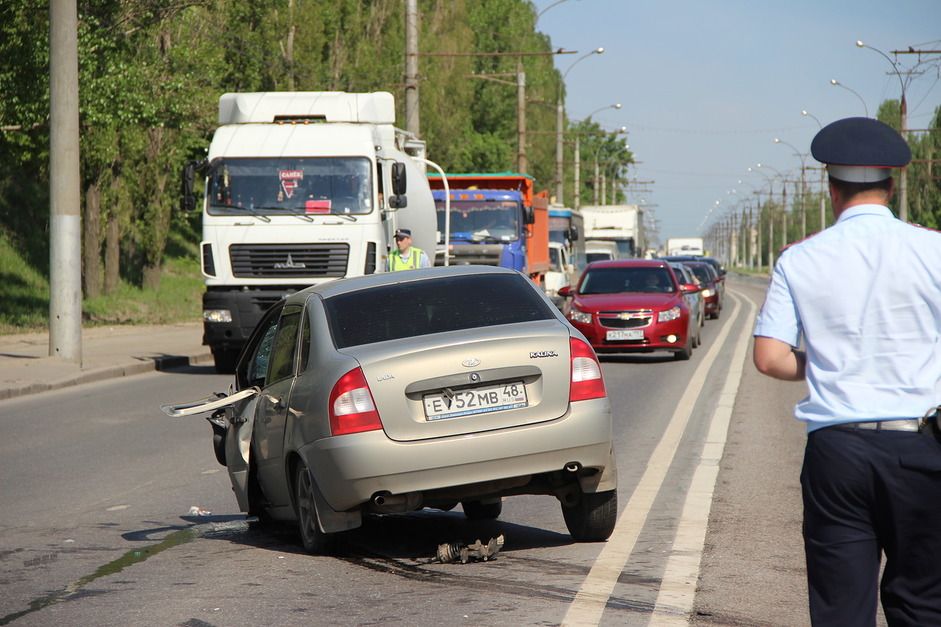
(314, 540)
(225, 359)
(698, 337)
(593, 518)
(477, 510)
(686, 352)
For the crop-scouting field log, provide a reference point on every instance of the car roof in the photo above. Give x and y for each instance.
(354, 284)
(630, 263)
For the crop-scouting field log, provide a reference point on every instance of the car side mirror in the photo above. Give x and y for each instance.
(565, 291)
(689, 288)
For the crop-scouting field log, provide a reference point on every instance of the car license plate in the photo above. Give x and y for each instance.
(626, 334)
(475, 401)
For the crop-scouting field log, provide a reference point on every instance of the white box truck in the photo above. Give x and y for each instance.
(685, 246)
(301, 188)
(621, 224)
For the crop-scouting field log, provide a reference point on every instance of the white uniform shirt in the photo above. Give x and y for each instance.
(865, 295)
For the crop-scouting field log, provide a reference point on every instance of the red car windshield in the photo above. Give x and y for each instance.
(617, 280)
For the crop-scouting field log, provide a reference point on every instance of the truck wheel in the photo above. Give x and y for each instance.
(225, 359)
(592, 519)
(314, 540)
(478, 510)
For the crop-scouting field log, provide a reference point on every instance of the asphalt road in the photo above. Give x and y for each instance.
(97, 488)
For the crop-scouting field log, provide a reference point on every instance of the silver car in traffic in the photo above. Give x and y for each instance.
(428, 388)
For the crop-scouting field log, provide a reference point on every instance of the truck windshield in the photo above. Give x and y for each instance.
(290, 185)
(481, 221)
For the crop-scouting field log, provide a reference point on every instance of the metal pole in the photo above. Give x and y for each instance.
(412, 122)
(597, 181)
(578, 170)
(65, 247)
(521, 163)
(447, 208)
(558, 150)
(903, 174)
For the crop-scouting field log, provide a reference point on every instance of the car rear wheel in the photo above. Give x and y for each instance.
(478, 510)
(592, 519)
(314, 540)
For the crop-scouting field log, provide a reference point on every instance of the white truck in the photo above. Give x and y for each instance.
(685, 246)
(622, 224)
(300, 188)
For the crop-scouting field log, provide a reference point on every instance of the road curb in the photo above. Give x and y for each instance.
(141, 366)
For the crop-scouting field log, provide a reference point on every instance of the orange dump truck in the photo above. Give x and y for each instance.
(495, 220)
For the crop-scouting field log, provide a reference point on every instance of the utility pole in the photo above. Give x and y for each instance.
(412, 122)
(65, 228)
(521, 162)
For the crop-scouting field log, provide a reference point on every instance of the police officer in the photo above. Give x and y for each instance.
(865, 297)
(406, 256)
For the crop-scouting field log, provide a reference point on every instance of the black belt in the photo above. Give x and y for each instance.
(906, 424)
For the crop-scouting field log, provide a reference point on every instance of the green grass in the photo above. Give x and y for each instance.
(24, 295)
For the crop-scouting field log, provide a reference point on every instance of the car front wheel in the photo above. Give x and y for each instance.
(592, 519)
(314, 540)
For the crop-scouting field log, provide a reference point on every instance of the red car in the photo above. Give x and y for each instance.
(632, 305)
(712, 289)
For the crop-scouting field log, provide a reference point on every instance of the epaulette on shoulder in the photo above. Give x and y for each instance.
(923, 227)
(794, 243)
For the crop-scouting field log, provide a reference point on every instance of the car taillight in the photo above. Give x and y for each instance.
(586, 381)
(352, 409)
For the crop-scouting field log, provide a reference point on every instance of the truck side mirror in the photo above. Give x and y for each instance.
(399, 186)
(573, 233)
(187, 197)
(529, 216)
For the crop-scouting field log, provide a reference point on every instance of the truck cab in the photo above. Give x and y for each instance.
(300, 188)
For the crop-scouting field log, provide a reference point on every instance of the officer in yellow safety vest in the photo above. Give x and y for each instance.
(406, 256)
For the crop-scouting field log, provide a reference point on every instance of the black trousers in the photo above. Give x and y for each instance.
(866, 492)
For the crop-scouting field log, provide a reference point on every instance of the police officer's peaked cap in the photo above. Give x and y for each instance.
(400, 233)
(860, 150)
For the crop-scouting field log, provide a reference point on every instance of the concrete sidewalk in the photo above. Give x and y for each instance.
(107, 352)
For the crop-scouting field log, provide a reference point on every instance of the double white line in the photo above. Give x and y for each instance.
(678, 587)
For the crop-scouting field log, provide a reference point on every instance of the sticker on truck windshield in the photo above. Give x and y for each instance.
(289, 180)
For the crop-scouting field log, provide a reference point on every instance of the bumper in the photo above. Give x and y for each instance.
(656, 337)
(246, 308)
(350, 469)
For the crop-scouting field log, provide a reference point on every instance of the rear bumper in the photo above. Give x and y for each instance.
(350, 469)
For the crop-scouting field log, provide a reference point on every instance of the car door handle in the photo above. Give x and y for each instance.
(276, 403)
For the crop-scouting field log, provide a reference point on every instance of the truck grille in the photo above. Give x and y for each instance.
(472, 254)
(289, 260)
(625, 319)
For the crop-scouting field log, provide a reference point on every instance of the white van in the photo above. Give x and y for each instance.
(600, 250)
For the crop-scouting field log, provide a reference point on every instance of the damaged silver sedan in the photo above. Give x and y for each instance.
(429, 388)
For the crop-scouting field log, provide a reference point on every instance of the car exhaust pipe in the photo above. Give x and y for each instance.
(573, 467)
(386, 503)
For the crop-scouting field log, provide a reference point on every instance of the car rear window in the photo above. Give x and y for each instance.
(702, 272)
(429, 306)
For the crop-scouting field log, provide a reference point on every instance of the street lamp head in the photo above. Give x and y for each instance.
(617, 105)
(777, 140)
(833, 81)
(598, 51)
(860, 44)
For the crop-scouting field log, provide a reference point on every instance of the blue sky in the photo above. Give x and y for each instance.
(706, 86)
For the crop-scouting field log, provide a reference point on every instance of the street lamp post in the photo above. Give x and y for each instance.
(559, 121)
(823, 201)
(903, 125)
(802, 158)
(598, 184)
(578, 166)
(837, 83)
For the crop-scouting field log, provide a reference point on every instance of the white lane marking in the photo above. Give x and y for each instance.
(674, 603)
(590, 600)
(117, 508)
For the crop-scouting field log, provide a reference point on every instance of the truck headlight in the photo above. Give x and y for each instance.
(669, 314)
(217, 315)
(578, 315)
